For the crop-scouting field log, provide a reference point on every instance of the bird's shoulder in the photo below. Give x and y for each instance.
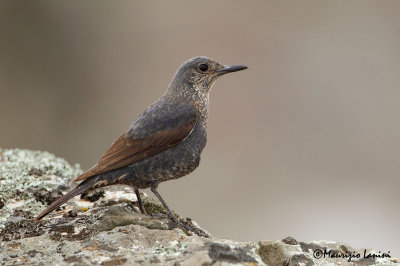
(158, 129)
(160, 117)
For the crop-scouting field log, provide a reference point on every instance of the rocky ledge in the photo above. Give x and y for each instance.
(106, 228)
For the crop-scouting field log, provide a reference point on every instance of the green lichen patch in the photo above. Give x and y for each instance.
(151, 206)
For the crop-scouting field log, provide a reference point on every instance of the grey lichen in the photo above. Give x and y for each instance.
(111, 233)
(173, 250)
(22, 172)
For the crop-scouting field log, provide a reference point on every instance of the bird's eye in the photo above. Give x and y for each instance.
(203, 67)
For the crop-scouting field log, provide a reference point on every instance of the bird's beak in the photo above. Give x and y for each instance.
(230, 69)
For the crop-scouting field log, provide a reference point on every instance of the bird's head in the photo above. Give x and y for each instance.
(199, 74)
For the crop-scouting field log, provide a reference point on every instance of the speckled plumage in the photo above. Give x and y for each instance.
(173, 163)
(164, 142)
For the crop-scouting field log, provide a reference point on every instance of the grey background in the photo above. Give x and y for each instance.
(303, 143)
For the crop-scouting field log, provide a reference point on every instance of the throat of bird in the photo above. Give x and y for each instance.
(202, 105)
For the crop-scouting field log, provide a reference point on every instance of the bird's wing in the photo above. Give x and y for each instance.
(156, 130)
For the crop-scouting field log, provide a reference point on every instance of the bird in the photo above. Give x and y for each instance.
(163, 143)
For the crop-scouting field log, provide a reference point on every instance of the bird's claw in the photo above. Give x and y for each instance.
(132, 207)
(160, 215)
(190, 229)
(186, 228)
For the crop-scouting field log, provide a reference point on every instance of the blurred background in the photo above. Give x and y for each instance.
(304, 143)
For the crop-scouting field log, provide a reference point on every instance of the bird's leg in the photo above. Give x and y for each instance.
(140, 202)
(170, 213)
(187, 228)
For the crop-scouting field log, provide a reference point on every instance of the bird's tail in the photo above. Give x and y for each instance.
(82, 187)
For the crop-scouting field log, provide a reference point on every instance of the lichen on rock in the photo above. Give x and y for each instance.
(24, 174)
(107, 229)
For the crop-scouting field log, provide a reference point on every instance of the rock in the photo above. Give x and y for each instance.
(31, 179)
(229, 253)
(290, 240)
(105, 229)
(119, 216)
(277, 252)
(318, 253)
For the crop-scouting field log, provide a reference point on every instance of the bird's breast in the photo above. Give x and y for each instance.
(173, 163)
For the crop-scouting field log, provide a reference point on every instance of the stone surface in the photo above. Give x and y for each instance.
(31, 179)
(106, 228)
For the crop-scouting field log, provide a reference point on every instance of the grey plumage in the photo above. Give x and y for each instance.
(164, 142)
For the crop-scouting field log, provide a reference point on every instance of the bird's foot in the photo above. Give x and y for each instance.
(159, 214)
(187, 229)
(132, 207)
(136, 208)
(177, 223)
(186, 226)
(190, 227)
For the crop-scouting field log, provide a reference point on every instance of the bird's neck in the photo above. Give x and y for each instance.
(202, 106)
(194, 97)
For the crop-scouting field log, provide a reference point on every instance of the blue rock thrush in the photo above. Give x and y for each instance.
(164, 143)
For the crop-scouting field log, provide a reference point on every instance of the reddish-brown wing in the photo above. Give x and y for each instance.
(137, 143)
